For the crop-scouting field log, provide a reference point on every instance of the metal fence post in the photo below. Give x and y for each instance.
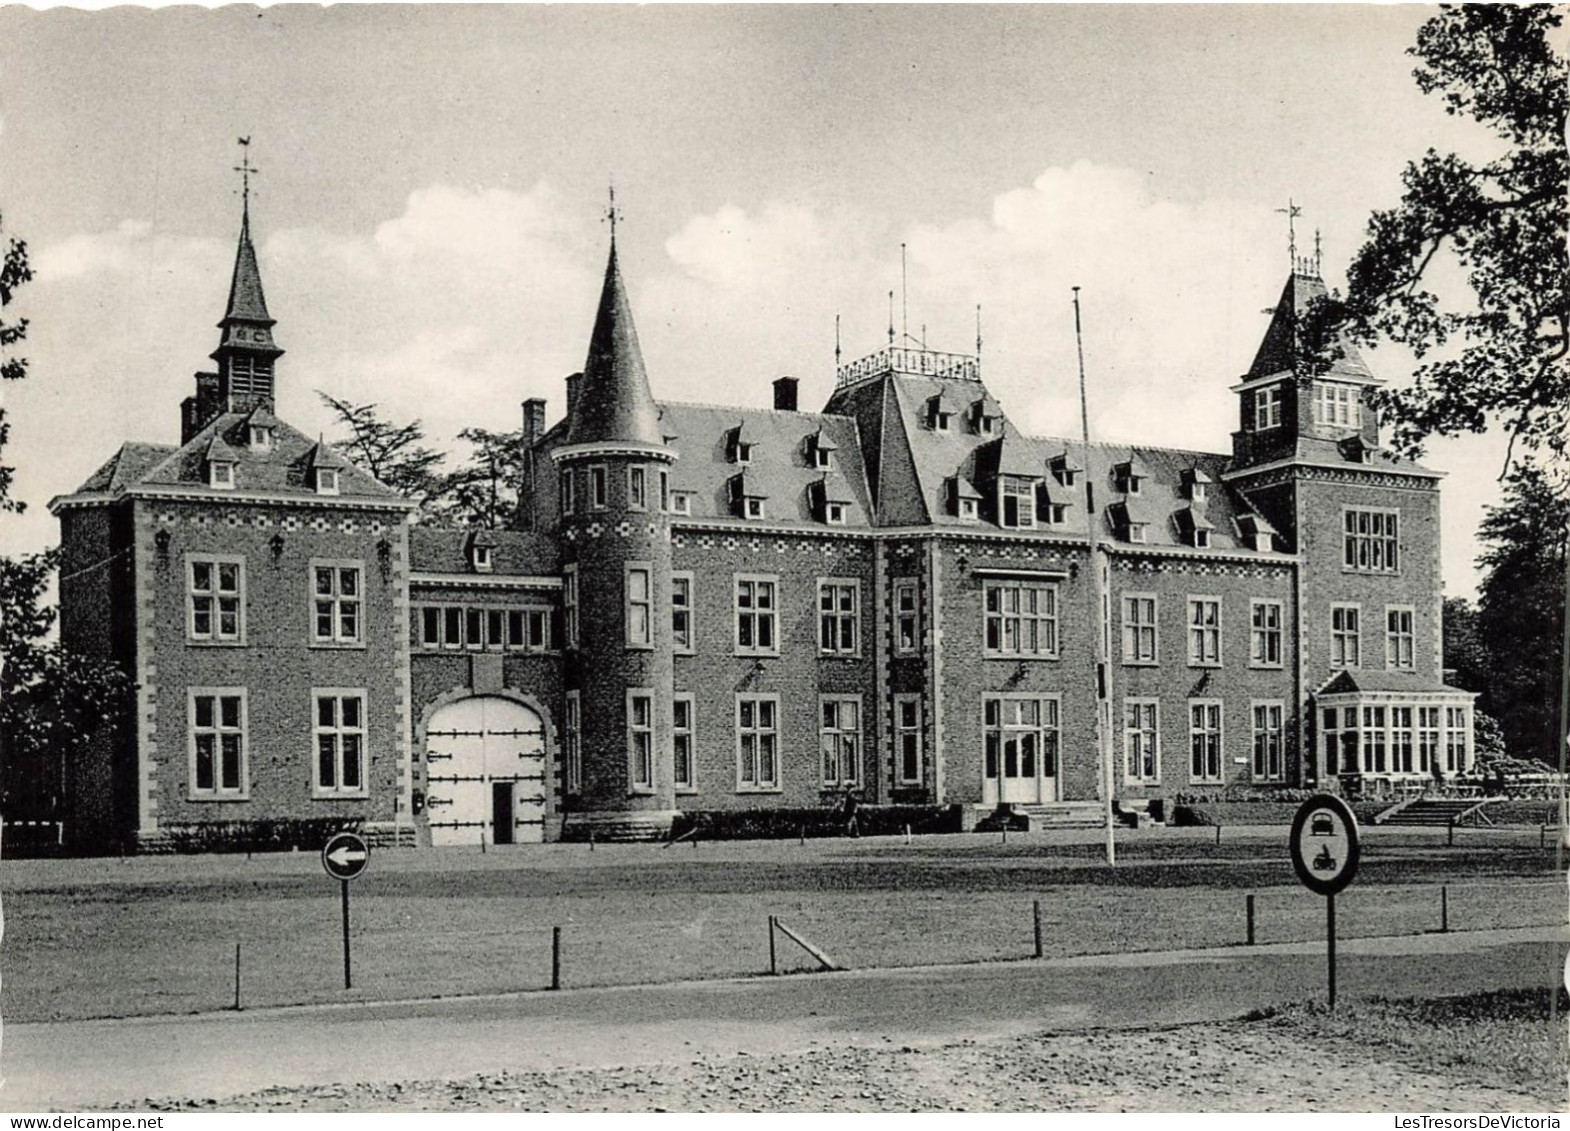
(555, 958)
(1250, 906)
(1036, 915)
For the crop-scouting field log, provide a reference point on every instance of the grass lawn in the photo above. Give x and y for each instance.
(91, 938)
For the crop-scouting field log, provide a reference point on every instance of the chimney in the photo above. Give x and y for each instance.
(785, 394)
(573, 381)
(533, 420)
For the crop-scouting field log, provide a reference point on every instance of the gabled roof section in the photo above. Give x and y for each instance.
(1358, 680)
(220, 452)
(832, 488)
(1278, 352)
(433, 550)
(322, 456)
(126, 466)
(1192, 518)
(614, 404)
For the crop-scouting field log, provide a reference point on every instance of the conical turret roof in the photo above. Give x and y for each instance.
(614, 402)
(246, 301)
(1279, 351)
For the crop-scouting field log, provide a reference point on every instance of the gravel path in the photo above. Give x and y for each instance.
(1230, 1066)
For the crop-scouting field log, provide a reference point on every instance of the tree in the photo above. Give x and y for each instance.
(14, 271)
(1466, 654)
(484, 491)
(1521, 611)
(393, 453)
(1501, 222)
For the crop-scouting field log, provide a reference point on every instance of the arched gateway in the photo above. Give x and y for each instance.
(485, 773)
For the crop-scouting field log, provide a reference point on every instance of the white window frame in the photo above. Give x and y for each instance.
(220, 474)
(1365, 549)
(640, 740)
(1341, 656)
(521, 622)
(569, 604)
(572, 742)
(1136, 733)
(637, 487)
(839, 744)
(260, 438)
(1403, 738)
(1430, 737)
(1023, 492)
(337, 603)
(1207, 725)
(836, 619)
(997, 724)
(1375, 740)
(1136, 628)
(834, 514)
(684, 587)
(1041, 624)
(754, 615)
(599, 487)
(481, 558)
(1204, 639)
(1333, 405)
(1458, 740)
(218, 729)
(638, 611)
(907, 614)
(908, 737)
(214, 596)
(762, 735)
(684, 735)
(430, 615)
(327, 481)
(1267, 408)
(1401, 643)
(681, 502)
(1269, 740)
(452, 619)
(1261, 636)
(338, 730)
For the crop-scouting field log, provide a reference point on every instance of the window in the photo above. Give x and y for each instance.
(480, 558)
(1456, 731)
(569, 603)
(681, 744)
(1340, 744)
(1399, 639)
(1427, 739)
(1128, 479)
(834, 514)
(452, 624)
(1142, 740)
(430, 627)
(754, 507)
(1334, 405)
(1371, 543)
(756, 611)
(1401, 740)
(638, 488)
(474, 628)
(681, 502)
(1204, 632)
(1268, 729)
(568, 494)
(597, 487)
(326, 480)
(640, 739)
(665, 490)
(340, 744)
(220, 474)
(218, 744)
(839, 739)
(1139, 628)
(1201, 538)
(1204, 740)
(757, 743)
(337, 602)
(640, 606)
(261, 438)
(572, 743)
(907, 739)
(1055, 514)
(837, 602)
(742, 452)
(820, 454)
(1267, 408)
(528, 630)
(1374, 740)
(907, 617)
(1016, 502)
(1344, 637)
(215, 600)
(1021, 736)
(681, 612)
(1063, 471)
(1021, 619)
(1264, 634)
(967, 510)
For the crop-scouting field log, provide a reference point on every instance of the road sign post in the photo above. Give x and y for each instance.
(345, 856)
(1325, 850)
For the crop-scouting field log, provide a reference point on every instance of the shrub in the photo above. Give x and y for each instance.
(780, 824)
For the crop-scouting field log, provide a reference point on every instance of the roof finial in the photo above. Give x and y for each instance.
(1292, 212)
(1319, 258)
(891, 318)
(245, 169)
(612, 213)
(904, 295)
(978, 331)
(836, 342)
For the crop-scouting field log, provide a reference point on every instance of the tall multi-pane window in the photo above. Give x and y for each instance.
(640, 738)
(839, 739)
(681, 612)
(1269, 762)
(1374, 740)
(340, 744)
(1264, 650)
(640, 606)
(1142, 740)
(757, 742)
(1427, 739)
(215, 600)
(1401, 736)
(1204, 740)
(756, 615)
(1400, 639)
(907, 739)
(1021, 735)
(218, 743)
(572, 742)
(1016, 502)
(1021, 618)
(1139, 628)
(337, 600)
(638, 488)
(1455, 740)
(1371, 542)
(1204, 631)
(907, 617)
(837, 601)
(684, 757)
(1345, 637)
(569, 604)
(568, 493)
(597, 487)
(1335, 405)
(1267, 408)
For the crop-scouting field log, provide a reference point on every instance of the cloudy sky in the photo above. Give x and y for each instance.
(428, 215)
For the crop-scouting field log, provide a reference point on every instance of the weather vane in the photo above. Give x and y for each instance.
(612, 213)
(1292, 212)
(245, 169)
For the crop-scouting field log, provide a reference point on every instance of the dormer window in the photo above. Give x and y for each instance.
(262, 438)
(1263, 541)
(1016, 503)
(1063, 471)
(745, 499)
(1136, 531)
(830, 500)
(940, 413)
(822, 457)
(1256, 532)
(967, 510)
(834, 514)
(743, 452)
(754, 507)
(820, 451)
(1197, 492)
(1202, 539)
(738, 449)
(681, 502)
(220, 474)
(1055, 514)
(984, 416)
(963, 500)
(1267, 408)
(480, 558)
(1130, 477)
(326, 480)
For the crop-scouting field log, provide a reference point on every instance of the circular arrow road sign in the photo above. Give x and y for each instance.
(345, 856)
(1324, 844)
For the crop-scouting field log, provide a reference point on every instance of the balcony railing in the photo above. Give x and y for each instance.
(918, 362)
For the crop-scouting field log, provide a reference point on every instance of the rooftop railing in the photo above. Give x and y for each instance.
(918, 362)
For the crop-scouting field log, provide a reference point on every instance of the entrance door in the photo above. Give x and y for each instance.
(485, 773)
(1021, 757)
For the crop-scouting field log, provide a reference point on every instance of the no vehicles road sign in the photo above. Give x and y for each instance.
(345, 856)
(1324, 844)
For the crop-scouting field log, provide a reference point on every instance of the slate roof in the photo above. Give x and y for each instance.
(125, 467)
(246, 301)
(1278, 351)
(781, 470)
(614, 402)
(434, 550)
(1351, 680)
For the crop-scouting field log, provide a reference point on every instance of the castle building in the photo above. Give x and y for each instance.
(706, 608)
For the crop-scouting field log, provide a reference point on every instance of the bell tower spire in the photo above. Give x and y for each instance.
(246, 351)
